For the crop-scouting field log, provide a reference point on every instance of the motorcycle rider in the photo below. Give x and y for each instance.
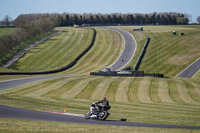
(104, 103)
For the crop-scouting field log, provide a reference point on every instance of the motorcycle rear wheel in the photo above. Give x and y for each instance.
(103, 115)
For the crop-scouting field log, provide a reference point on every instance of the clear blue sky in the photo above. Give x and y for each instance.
(13, 8)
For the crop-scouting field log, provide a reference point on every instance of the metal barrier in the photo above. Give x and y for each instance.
(142, 54)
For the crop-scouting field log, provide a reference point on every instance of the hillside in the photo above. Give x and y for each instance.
(169, 100)
(166, 53)
(54, 53)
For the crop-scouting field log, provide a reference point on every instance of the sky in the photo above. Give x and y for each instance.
(13, 8)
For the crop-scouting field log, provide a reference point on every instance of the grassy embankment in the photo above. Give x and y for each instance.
(54, 53)
(150, 100)
(108, 46)
(6, 57)
(166, 53)
(170, 54)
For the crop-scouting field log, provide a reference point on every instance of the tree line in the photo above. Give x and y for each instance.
(124, 19)
(68, 19)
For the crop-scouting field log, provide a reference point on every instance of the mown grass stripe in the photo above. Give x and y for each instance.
(143, 91)
(174, 92)
(101, 88)
(77, 89)
(116, 49)
(133, 90)
(163, 91)
(60, 50)
(104, 52)
(30, 89)
(90, 58)
(44, 90)
(193, 91)
(112, 90)
(153, 91)
(63, 89)
(88, 90)
(121, 94)
(184, 92)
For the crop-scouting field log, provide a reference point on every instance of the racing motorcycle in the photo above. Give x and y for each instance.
(97, 112)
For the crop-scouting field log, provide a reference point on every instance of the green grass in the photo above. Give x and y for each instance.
(24, 126)
(175, 52)
(107, 48)
(62, 49)
(148, 100)
(4, 31)
(6, 57)
(57, 51)
(170, 54)
(197, 75)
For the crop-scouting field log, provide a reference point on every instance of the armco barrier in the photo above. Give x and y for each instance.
(56, 70)
(142, 54)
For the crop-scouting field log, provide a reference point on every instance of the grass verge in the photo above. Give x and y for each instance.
(24, 126)
(147, 100)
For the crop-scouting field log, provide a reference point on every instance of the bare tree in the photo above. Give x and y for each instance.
(7, 20)
(188, 16)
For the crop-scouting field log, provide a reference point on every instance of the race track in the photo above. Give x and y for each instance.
(19, 113)
(16, 82)
(128, 52)
(191, 70)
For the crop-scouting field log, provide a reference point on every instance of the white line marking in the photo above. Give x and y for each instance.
(124, 47)
(188, 66)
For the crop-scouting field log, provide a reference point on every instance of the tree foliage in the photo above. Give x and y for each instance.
(28, 27)
(124, 19)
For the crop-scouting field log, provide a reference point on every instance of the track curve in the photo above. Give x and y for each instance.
(19, 113)
(128, 52)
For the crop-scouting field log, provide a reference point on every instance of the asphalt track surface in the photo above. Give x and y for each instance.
(191, 70)
(128, 52)
(16, 82)
(19, 113)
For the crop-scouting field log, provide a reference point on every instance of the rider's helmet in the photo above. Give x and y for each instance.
(104, 98)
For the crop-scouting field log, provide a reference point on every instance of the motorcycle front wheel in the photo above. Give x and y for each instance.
(87, 115)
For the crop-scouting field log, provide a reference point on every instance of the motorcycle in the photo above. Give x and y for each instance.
(98, 112)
